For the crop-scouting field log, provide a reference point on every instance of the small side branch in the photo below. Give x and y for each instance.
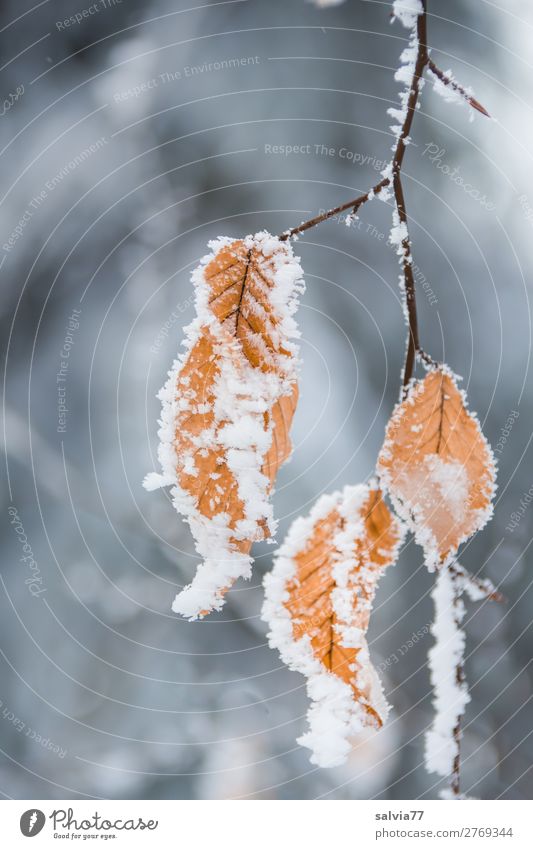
(477, 589)
(455, 86)
(352, 205)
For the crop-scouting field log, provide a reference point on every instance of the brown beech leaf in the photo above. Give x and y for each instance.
(228, 407)
(318, 600)
(241, 281)
(437, 466)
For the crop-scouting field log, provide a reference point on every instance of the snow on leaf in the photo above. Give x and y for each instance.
(318, 600)
(437, 466)
(227, 409)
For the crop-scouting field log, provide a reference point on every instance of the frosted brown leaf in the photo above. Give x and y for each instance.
(228, 407)
(318, 602)
(437, 466)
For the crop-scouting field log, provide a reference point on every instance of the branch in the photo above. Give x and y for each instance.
(399, 151)
(447, 80)
(460, 680)
(443, 740)
(394, 180)
(422, 58)
(392, 177)
(351, 204)
(477, 588)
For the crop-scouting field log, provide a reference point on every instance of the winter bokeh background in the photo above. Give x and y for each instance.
(129, 138)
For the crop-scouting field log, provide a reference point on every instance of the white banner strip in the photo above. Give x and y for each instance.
(268, 824)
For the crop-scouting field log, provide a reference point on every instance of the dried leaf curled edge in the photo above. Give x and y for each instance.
(318, 599)
(227, 409)
(437, 466)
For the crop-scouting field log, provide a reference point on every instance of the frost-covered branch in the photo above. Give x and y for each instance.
(353, 205)
(443, 740)
(451, 696)
(477, 589)
(415, 60)
(445, 84)
(446, 664)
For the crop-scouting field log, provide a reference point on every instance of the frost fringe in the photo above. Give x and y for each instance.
(242, 396)
(334, 715)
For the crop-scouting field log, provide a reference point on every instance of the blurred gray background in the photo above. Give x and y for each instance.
(130, 139)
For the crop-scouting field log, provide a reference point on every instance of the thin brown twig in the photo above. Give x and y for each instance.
(485, 587)
(422, 63)
(459, 576)
(351, 204)
(422, 58)
(413, 344)
(399, 150)
(455, 777)
(446, 80)
(455, 781)
(425, 357)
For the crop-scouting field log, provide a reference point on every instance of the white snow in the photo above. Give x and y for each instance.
(398, 233)
(407, 11)
(243, 394)
(450, 696)
(451, 481)
(450, 93)
(477, 589)
(334, 716)
(404, 75)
